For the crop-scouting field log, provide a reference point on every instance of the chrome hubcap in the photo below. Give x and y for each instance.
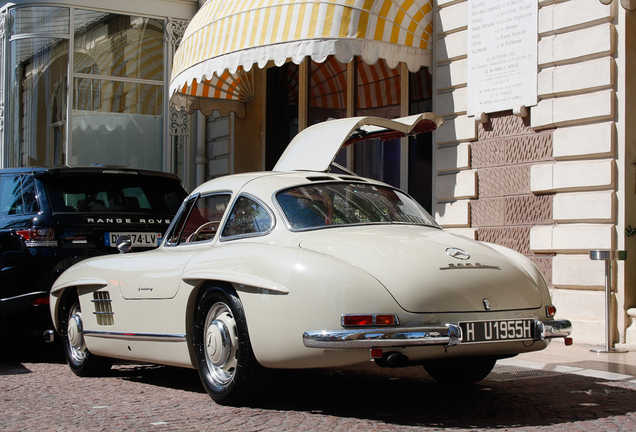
(74, 330)
(221, 343)
(75, 334)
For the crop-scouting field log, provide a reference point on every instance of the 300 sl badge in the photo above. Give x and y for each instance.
(470, 266)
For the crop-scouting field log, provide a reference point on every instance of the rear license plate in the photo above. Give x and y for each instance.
(497, 330)
(138, 239)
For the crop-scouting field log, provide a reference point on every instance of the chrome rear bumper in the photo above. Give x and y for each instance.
(444, 334)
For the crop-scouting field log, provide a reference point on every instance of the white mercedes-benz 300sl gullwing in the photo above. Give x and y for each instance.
(306, 266)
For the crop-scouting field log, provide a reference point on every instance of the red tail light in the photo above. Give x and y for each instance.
(361, 320)
(41, 301)
(38, 236)
(550, 311)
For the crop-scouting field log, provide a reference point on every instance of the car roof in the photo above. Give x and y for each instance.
(315, 148)
(94, 169)
(265, 183)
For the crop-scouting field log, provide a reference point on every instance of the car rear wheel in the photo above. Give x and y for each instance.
(81, 361)
(228, 369)
(460, 370)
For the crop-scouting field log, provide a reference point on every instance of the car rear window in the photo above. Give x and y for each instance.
(315, 206)
(114, 193)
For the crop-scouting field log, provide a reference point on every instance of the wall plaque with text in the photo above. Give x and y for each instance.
(502, 54)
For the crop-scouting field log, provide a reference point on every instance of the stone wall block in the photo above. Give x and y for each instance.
(490, 153)
(452, 158)
(584, 141)
(512, 211)
(452, 46)
(218, 127)
(529, 210)
(453, 214)
(577, 78)
(219, 167)
(512, 150)
(219, 147)
(488, 212)
(578, 45)
(452, 18)
(572, 238)
(452, 103)
(561, 17)
(578, 271)
(504, 181)
(570, 110)
(585, 206)
(504, 124)
(529, 148)
(452, 75)
(573, 175)
(455, 186)
(461, 128)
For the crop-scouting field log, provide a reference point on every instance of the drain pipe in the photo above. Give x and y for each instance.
(200, 159)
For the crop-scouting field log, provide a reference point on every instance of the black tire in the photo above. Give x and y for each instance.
(228, 369)
(81, 361)
(460, 370)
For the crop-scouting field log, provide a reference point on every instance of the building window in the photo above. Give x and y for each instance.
(110, 111)
(38, 79)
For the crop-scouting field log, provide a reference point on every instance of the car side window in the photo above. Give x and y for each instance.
(10, 196)
(29, 194)
(203, 219)
(248, 217)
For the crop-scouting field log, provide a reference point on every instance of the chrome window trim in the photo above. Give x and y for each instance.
(196, 198)
(176, 218)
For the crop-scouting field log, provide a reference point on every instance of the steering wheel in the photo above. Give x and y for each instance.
(193, 237)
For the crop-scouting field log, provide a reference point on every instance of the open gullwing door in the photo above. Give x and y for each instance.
(315, 148)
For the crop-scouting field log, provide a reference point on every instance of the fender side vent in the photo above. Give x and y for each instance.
(103, 308)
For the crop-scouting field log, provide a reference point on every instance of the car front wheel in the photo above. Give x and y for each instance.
(81, 361)
(228, 369)
(460, 370)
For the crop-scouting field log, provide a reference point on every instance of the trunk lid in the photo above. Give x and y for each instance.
(413, 265)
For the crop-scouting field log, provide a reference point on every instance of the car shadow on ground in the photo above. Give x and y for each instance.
(29, 349)
(409, 397)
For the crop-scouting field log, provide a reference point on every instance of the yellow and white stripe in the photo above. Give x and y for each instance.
(228, 35)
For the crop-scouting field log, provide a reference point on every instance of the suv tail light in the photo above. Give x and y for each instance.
(37, 236)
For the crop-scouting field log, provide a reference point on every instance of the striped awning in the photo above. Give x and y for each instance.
(226, 38)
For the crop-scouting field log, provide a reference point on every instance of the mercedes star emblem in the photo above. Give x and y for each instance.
(458, 253)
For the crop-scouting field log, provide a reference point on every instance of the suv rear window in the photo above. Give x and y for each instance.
(88, 193)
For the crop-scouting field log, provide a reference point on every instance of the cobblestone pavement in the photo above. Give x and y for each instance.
(39, 392)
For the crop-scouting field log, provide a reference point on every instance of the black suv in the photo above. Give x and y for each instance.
(51, 218)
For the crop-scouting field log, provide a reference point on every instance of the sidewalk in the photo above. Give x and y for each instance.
(578, 360)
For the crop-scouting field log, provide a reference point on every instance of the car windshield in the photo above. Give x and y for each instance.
(110, 193)
(329, 204)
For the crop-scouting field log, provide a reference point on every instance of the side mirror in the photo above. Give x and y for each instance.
(124, 244)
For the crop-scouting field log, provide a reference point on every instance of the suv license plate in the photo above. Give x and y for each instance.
(138, 239)
(497, 330)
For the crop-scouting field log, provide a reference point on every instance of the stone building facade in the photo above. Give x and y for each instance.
(554, 180)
